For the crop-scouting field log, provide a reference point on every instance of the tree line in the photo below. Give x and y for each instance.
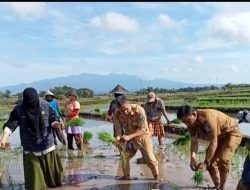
(88, 93)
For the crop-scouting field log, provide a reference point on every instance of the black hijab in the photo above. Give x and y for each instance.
(35, 123)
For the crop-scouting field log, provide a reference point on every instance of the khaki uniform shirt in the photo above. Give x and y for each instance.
(211, 123)
(136, 120)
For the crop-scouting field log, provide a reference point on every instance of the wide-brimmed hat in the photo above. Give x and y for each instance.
(49, 93)
(151, 97)
(119, 90)
(71, 93)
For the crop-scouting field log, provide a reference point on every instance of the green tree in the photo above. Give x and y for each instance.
(7, 93)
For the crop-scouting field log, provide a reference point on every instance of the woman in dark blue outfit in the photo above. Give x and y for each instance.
(36, 121)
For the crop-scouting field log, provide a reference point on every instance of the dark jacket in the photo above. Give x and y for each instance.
(30, 142)
(246, 171)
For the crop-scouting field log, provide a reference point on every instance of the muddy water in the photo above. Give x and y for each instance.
(87, 170)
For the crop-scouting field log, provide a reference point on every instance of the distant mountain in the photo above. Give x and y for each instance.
(99, 83)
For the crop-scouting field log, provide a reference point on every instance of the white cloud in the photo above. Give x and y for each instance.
(235, 29)
(28, 8)
(165, 20)
(198, 59)
(234, 68)
(115, 22)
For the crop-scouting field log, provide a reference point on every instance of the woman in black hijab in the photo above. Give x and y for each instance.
(36, 119)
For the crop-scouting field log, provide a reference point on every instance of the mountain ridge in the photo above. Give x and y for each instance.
(100, 83)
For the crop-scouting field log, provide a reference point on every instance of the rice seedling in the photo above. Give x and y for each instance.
(104, 115)
(176, 121)
(183, 140)
(198, 177)
(97, 110)
(74, 122)
(87, 136)
(108, 138)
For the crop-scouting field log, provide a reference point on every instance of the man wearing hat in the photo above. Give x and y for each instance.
(50, 97)
(72, 107)
(132, 117)
(155, 108)
(117, 91)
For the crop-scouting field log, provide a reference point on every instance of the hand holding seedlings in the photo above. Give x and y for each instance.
(193, 164)
(202, 166)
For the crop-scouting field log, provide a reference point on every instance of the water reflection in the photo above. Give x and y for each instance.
(86, 170)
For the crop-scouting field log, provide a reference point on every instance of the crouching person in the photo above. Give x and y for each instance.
(132, 118)
(36, 119)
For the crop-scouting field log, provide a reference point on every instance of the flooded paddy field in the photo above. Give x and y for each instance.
(98, 166)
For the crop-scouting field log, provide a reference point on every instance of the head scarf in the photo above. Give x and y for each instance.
(33, 113)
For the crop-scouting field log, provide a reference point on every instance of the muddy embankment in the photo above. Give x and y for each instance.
(171, 128)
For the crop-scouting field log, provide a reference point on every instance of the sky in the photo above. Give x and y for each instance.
(193, 42)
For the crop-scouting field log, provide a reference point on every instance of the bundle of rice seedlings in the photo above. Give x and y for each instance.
(183, 140)
(198, 177)
(176, 121)
(87, 136)
(106, 137)
(74, 122)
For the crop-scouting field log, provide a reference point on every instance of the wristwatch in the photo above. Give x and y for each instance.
(206, 162)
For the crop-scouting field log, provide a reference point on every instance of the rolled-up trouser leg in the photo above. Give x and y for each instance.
(148, 154)
(214, 172)
(228, 148)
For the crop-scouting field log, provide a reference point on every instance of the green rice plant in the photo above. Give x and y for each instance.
(104, 115)
(246, 149)
(97, 110)
(74, 122)
(106, 137)
(183, 140)
(198, 177)
(87, 136)
(176, 121)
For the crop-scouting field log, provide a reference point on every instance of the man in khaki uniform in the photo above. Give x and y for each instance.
(223, 134)
(132, 118)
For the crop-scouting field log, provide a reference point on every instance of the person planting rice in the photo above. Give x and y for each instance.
(36, 119)
(133, 119)
(154, 109)
(117, 91)
(223, 134)
(72, 107)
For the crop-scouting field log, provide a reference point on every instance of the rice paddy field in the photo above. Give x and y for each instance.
(99, 164)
